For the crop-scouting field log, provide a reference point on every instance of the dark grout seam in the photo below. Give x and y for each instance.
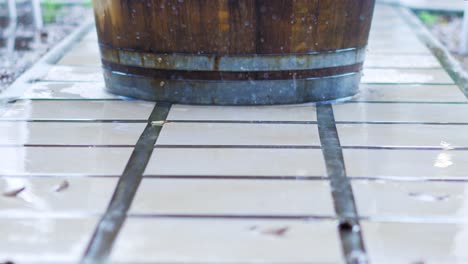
(349, 226)
(225, 147)
(305, 217)
(140, 121)
(74, 121)
(108, 228)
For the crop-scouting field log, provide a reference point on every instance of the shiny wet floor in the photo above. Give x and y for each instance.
(241, 184)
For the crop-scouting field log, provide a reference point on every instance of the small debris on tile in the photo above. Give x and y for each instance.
(8, 262)
(14, 192)
(279, 232)
(253, 228)
(62, 186)
(158, 123)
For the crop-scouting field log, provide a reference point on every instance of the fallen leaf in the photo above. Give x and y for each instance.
(280, 232)
(14, 193)
(62, 186)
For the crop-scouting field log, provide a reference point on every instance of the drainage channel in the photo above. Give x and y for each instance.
(109, 226)
(349, 227)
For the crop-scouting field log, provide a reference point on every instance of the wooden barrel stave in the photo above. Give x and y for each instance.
(203, 51)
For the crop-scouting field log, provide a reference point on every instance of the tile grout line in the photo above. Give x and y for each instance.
(349, 227)
(257, 147)
(107, 230)
(264, 122)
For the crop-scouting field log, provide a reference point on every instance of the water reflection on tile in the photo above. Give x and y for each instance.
(393, 24)
(379, 38)
(391, 28)
(410, 93)
(44, 240)
(74, 74)
(394, 47)
(416, 242)
(407, 199)
(15, 133)
(408, 76)
(383, 10)
(91, 36)
(233, 197)
(68, 90)
(406, 163)
(401, 61)
(85, 53)
(108, 110)
(305, 112)
(237, 162)
(58, 161)
(439, 136)
(238, 134)
(204, 241)
(440, 113)
(63, 196)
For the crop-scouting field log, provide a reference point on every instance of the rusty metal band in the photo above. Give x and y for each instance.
(235, 63)
(246, 92)
(161, 74)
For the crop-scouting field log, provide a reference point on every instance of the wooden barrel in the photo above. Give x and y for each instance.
(233, 51)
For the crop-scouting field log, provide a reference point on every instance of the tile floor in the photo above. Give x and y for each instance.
(240, 184)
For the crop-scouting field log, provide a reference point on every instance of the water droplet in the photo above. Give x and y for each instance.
(443, 160)
(429, 197)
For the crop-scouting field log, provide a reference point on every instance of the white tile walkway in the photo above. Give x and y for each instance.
(242, 184)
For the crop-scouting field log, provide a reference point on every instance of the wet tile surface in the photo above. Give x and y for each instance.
(416, 242)
(67, 161)
(68, 90)
(239, 134)
(405, 47)
(413, 200)
(85, 53)
(420, 113)
(254, 113)
(406, 76)
(401, 61)
(237, 162)
(415, 164)
(422, 136)
(74, 74)
(410, 93)
(251, 241)
(44, 240)
(54, 196)
(76, 110)
(233, 197)
(56, 133)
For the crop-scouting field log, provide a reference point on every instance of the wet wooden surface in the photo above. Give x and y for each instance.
(234, 27)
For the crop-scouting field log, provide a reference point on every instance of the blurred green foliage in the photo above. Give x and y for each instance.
(51, 8)
(428, 17)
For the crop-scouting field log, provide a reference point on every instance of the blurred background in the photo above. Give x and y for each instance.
(29, 28)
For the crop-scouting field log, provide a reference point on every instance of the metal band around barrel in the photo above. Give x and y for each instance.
(231, 75)
(241, 63)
